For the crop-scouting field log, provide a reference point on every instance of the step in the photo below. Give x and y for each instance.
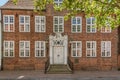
(59, 69)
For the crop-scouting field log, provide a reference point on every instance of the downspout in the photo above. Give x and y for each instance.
(0, 42)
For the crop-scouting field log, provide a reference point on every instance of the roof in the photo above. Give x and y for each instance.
(21, 4)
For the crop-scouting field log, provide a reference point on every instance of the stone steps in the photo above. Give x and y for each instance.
(59, 69)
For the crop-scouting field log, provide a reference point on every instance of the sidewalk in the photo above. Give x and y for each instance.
(78, 75)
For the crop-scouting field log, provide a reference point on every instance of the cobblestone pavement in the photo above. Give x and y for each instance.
(78, 75)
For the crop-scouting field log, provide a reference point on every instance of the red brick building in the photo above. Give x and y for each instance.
(30, 39)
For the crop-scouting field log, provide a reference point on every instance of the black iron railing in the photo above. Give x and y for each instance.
(70, 64)
(47, 63)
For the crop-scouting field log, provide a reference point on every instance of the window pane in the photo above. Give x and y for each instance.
(6, 53)
(11, 52)
(21, 19)
(11, 44)
(56, 20)
(60, 20)
(11, 19)
(74, 52)
(37, 52)
(6, 44)
(73, 20)
(88, 28)
(27, 53)
(88, 45)
(6, 19)
(22, 53)
(93, 20)
(26, 19)
(78, 21)
(21, 44)
(88, 21)
(27, 27)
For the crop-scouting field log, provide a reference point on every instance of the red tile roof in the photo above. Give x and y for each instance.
(21, 4)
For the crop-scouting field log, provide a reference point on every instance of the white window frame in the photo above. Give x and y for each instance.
(107, 28)
(91, 54)
(76, 25)
(80, 49)
(107, 46)
(8, 48)
(58, 2)
(24, 48)
(58, 17)
(24, 23)
(91, 24)
(40, 49)
(106, 31)
(9, 23)
(40, 24)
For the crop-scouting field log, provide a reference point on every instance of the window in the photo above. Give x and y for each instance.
(76, 49)
(106, 48)
(106, 29)
(40, 24)
(90, 24)
(24, 24)
(76, 24)
(8, 21)
(24, 48)
(91, 49)
(58, 2)
(8, 48)
(58, 24)
(39, 48)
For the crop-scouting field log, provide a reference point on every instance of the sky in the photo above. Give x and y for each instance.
(2, 2)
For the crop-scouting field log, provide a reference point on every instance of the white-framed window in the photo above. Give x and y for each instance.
(90, 25)
(76, 25)
(8, 23)
(40, 48)
(24, 23)
(91, 48)
(58, 22)
(105, 48)
(76, 49)
(40, 22)
(58, 2)
(8, 48)
(24, 48)
(106, 29)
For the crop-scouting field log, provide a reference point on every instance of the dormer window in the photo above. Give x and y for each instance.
(58, 2)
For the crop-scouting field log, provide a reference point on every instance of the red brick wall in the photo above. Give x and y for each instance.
(81, 63)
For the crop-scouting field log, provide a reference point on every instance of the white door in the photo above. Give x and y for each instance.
(58, 54)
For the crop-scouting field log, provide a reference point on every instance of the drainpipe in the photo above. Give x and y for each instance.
(0, 42)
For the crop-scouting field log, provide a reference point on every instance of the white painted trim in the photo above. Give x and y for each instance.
(76, 48)
(91, 49)
(8, 23)
(24, 23)
(24, 48)
(51, 44)
(106, 30)
(90, 26)
(58, 23)
(40, 23)
(76, 24)
(40, 48)
(9, 48)
(106, 44)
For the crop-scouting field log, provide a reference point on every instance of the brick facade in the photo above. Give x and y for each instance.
(80, 63)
